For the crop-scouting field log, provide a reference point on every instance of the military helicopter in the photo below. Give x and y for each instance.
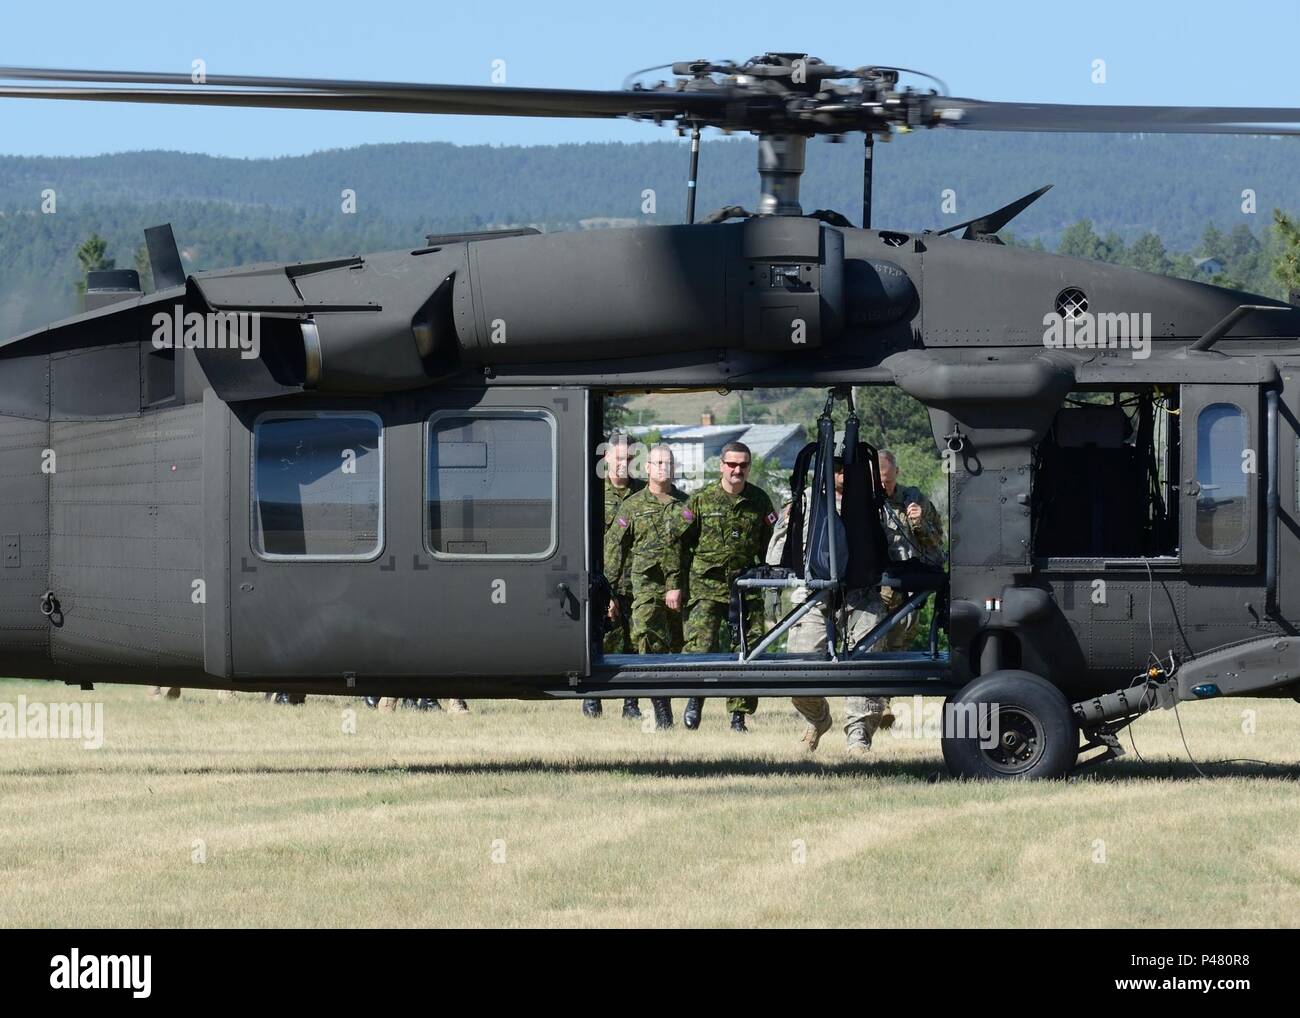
(395, 489)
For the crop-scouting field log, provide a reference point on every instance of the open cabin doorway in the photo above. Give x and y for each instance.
(698, 433)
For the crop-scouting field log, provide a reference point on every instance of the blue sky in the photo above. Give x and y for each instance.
(1195, 53)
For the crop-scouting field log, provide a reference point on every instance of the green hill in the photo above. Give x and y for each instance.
(228, 211)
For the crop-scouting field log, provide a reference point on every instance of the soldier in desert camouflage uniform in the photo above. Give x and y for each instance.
(913, 530)
(645, 542)
(619, 486)
(728, 530)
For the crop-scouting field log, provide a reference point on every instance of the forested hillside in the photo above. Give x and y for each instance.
(228, 211)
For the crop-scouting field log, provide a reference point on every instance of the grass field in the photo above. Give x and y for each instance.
(200, 813)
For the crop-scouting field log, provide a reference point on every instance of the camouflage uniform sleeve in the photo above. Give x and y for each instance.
(618, 544)
(690, 534)
(688, 537)
(776, 547)
(767, 527)
(928, 531)
(674, 558)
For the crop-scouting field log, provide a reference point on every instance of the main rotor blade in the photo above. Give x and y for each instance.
(977, 115)
(370, 96)
(735, 108)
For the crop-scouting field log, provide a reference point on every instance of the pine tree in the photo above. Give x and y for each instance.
(144, 267)
(1286, 266)
(91, 254)
(1080, 241)
(1148, 254)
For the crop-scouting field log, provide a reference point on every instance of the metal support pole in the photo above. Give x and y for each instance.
(883, 627)
(868, 164)
(1272, 503)
(796, 613)
(694, 175)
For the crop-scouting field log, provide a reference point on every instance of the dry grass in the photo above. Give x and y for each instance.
(603, 824)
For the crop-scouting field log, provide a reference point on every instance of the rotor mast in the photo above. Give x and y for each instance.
(780, 165)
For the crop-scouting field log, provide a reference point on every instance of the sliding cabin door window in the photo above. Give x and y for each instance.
(1223, 462)
(490, 484)
(317, 485)
(1222, 494)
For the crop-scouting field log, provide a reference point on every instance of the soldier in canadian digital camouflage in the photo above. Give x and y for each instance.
(620, 485)
(645, 542)
(729, 526)
(913, 530)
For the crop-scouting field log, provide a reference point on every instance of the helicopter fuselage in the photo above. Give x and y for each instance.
(399, 493)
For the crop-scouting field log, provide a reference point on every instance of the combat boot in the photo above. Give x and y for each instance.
(663, 712)
(857, 739)
(631, 709)
(591, 708)
(812, 735)
(691, 715)
(738, 722)
(879, 717)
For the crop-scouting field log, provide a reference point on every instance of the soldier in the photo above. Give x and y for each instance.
(646, 543)
(808, 635)
(619, 486)
(913, 530)
(729, 525)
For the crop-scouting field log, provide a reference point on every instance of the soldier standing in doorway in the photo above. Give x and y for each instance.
(645, 542)
(619, 487)
(913, 530)
(729, 525)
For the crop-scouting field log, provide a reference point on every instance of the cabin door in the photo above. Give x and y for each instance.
(440, 534)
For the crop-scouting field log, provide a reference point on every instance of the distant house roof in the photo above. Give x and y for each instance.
(1210, 266)
(696, 443)
(779, 441)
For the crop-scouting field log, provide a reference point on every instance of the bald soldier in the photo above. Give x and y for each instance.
(729, 526)
(619, 487)
(913, 530)
(646, 542)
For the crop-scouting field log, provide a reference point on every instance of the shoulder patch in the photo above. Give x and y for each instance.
(772, 517)
(688, 516)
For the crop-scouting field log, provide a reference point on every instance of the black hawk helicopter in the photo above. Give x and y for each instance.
(395, 490)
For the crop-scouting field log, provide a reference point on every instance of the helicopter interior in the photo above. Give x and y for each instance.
(1105, 455)
(827, 553)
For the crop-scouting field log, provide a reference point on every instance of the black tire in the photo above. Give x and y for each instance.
(1028, 729)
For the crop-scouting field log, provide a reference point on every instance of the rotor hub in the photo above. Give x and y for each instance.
(794, 93)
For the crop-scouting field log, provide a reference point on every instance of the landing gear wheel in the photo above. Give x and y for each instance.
(1009, 724)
